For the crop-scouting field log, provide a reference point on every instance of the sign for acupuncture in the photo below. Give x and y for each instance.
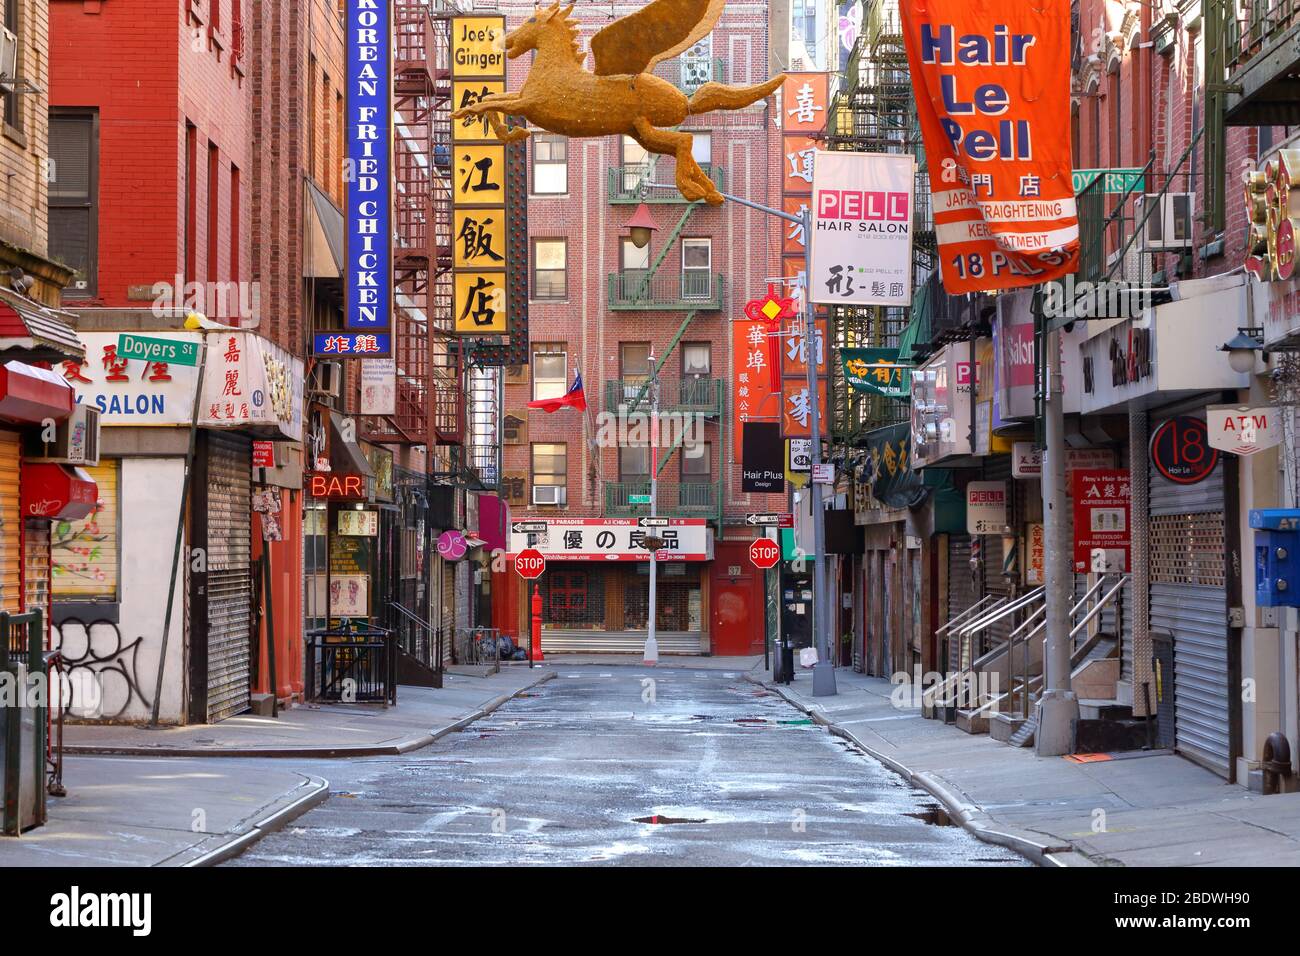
(992, 82)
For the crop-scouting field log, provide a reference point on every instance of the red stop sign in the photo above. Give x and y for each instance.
(764, 553)
(530, 563)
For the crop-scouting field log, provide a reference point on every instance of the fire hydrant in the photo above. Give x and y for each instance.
(537, 625)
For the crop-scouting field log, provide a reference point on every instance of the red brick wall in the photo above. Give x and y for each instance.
(147, 81)
(745, 249)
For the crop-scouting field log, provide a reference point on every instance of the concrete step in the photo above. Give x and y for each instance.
(1003, 726)
(1024, 734)
(971, 722)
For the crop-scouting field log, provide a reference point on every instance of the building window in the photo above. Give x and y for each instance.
(634, 361)
(73, 195)
(550, 373)
(1117, 130)
(214, 197)
(697, 64)
(633, 259)
(550, 473)
(12, 102)
(702, 147)
(697, 260)
(191, 200)
(634, 463)
(550, 165)
(85, 554)
(697, 360)
(234, 226)
(635, 162)
(697, 462)
(549, 275)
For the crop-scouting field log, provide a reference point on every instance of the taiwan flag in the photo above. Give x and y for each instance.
(573, 398)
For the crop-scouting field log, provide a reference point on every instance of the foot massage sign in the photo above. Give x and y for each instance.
(992, 81)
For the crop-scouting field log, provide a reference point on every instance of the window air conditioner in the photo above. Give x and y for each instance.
(549, 494)
(1170, 225)
(326, 379)
(76, 440)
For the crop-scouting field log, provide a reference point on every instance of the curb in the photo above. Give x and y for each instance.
(972, 819)
(317, 792)
(319, 753)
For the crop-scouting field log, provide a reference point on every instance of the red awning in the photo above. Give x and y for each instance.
(31, 395)
(57, 491)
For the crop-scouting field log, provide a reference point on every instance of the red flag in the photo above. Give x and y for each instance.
(573, 398)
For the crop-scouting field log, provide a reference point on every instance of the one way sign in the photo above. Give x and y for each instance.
(773, 519)
(528, 527)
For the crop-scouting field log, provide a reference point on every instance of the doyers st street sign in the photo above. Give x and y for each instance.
(148, 349)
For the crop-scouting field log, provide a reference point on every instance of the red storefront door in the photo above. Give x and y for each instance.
(735, 601)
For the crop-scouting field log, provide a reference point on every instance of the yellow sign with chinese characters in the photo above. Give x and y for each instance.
(467, 93)
(479, 305)
(480, 238)
(480, 175)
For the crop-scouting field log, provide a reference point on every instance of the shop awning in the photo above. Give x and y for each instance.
(324, 226)
(57, 491)
(347, 457)
(31, 395)
(25, 323)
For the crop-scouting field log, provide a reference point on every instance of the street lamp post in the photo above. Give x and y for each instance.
(651, 655)
(824, 669)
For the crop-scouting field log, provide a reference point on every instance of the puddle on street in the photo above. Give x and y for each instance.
(932, 814)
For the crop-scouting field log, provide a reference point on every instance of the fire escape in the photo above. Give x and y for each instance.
(429, 410)
(874, 111)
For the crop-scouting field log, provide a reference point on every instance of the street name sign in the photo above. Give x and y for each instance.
(147, 349)
(638, 499)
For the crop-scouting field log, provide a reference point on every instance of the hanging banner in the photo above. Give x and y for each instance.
(877, 371)
(992, 84)
(754, 357)
(862, 228)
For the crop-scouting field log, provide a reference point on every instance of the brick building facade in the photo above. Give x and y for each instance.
(590, 313)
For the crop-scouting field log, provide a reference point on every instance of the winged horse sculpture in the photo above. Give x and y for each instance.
(622, 95)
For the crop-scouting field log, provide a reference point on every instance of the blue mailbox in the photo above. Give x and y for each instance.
(1277, 556)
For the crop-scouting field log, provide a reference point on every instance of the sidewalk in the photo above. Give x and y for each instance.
(124, 811)
(422, 715)
(1138, 810)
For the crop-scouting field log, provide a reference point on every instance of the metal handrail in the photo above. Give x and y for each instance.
(1023, 601)
(1123, 579)
(412, 616)
(963, 614)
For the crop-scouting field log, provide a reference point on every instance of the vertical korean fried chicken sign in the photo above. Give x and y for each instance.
(992, 82)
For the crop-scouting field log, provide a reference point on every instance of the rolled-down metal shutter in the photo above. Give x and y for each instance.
(1189, 600)
(11, 598)
(230, 578)
(998, 468)
(961, 589)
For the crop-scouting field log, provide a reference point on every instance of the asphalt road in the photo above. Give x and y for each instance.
(633, 766)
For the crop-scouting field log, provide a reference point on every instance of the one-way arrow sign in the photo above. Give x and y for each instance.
(528, 527)
(772, 519)
(652, 522)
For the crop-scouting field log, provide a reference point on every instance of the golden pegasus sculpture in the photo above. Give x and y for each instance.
(622, 95)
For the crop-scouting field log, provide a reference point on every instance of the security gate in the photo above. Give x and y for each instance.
(1189, 600)
(230, 580)
(962, 592)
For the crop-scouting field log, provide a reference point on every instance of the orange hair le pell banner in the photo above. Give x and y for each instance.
(992, 83)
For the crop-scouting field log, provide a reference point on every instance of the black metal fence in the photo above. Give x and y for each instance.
(349, 666)
(24, 665)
